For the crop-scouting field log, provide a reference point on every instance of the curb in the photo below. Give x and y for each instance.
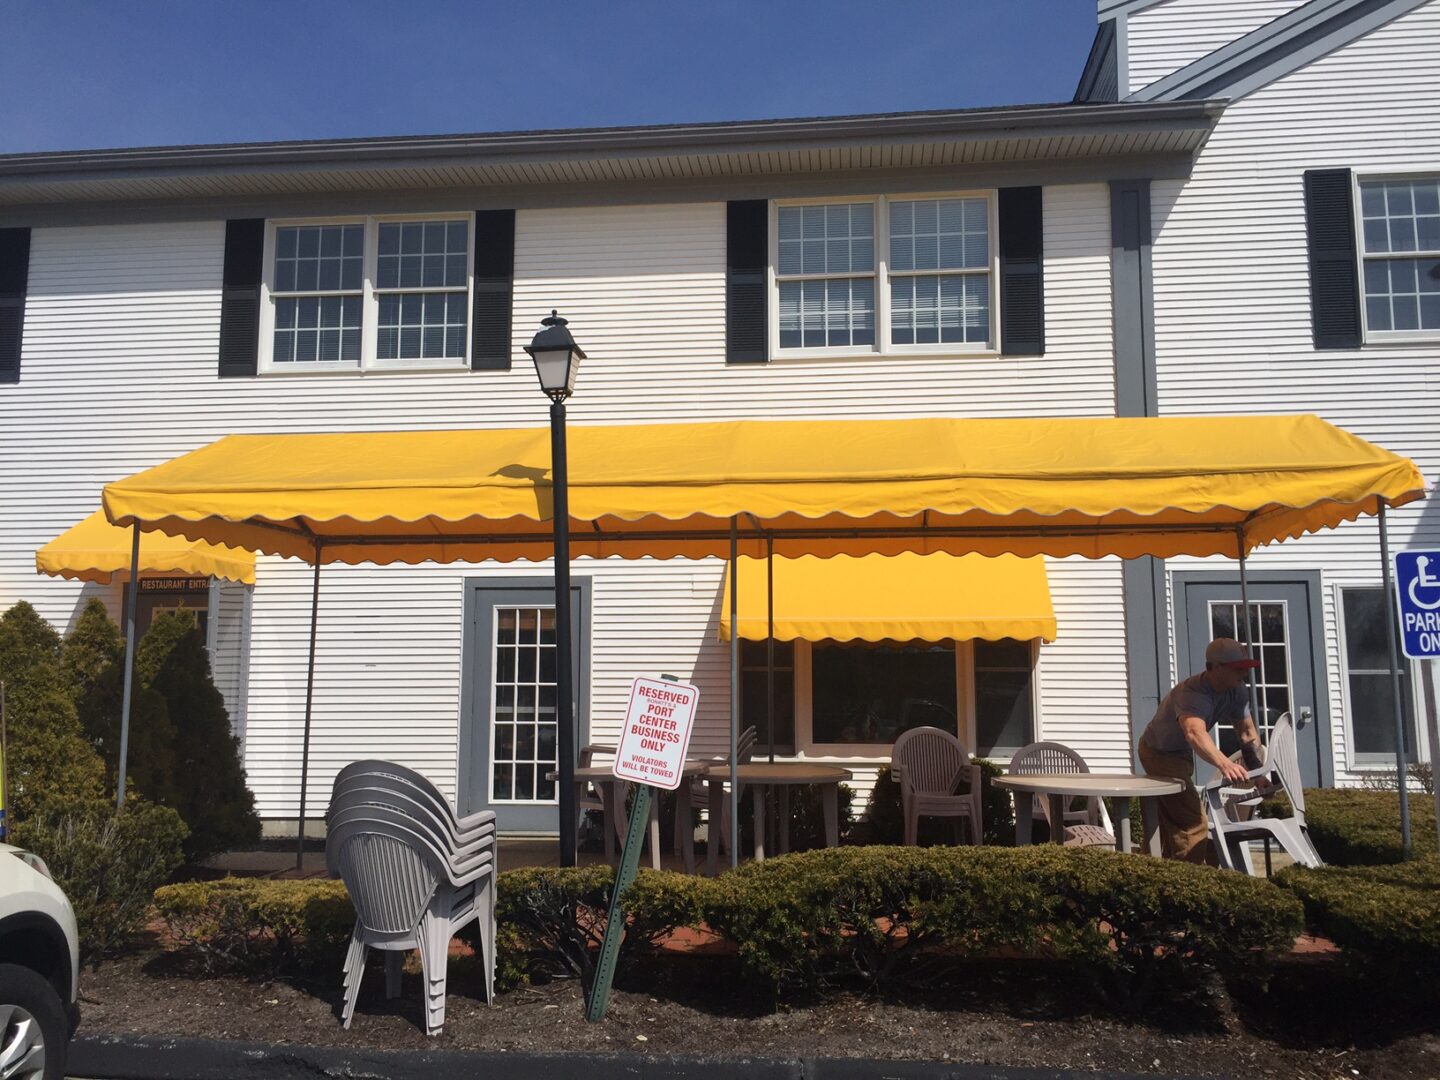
(148, 1057)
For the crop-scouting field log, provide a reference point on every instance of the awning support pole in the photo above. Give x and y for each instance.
(130, 600)
(770, 643)
(734, 698)
(309, 699)
(1245, 634)
(1390, 619)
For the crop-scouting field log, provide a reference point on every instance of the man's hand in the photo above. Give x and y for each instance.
(1234, 771)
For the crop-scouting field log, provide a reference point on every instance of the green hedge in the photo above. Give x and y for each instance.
(1354, 827)
(1385, 917)
(250, 923)
(804, 922)
(812, 921)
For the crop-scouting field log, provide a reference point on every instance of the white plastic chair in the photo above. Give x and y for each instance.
(1282, 763)
(380, 798)
(406, 897)
(1087, 827)
(928, 764)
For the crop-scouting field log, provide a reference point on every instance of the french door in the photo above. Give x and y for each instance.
(508, 734)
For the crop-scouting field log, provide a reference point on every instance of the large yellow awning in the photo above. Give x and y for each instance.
(1092, 487)
(95, 550)
(904, 597)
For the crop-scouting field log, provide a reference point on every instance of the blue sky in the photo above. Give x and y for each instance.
(76, 75)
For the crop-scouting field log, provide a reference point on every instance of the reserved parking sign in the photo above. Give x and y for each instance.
(657, 732)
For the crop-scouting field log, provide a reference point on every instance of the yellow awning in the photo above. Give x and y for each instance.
(901, 598)
(95, 550)
(1093, 487)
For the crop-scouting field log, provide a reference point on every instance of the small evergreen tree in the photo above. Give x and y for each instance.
(49, 757)
(210, 790)
(94, 645)
(93, 659)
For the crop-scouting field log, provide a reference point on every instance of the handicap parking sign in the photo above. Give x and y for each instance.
(1417, 587)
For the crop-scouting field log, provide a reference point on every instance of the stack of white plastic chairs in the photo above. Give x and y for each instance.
(416, 872)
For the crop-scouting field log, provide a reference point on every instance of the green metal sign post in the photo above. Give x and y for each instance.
(615, 924)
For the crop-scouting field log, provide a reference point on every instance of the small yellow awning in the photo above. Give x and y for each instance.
(901, 598)
(97, 551)
(1071, 486)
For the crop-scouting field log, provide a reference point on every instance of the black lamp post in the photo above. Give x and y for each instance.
(557, 359)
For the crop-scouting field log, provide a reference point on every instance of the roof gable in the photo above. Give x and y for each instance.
(1275, 49)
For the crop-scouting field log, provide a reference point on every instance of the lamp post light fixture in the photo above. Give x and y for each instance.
(557, 359)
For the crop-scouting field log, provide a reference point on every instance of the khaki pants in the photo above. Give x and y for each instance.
(1183, 830)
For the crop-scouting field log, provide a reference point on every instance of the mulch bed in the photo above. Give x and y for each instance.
(1310, 1023)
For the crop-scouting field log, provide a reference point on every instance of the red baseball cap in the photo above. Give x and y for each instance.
(1231, 653)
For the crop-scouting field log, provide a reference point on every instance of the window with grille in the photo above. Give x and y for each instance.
(523, 730)
(885, 275)
(1400, 246)
(1270, 644)
(367, 293)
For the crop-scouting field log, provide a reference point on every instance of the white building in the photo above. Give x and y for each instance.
(1252, 227)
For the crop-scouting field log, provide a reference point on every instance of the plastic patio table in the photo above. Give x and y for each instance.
(1058, 787)
(781, 775)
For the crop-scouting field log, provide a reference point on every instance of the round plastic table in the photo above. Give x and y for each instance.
(1058, 787)
(759, 776)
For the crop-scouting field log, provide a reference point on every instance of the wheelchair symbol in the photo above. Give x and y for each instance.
(1424, 580)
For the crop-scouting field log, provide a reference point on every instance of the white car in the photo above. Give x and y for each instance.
(39, 969)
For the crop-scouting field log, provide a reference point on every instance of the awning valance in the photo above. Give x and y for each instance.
(903, 597)
(94, 550)
(1093, 487)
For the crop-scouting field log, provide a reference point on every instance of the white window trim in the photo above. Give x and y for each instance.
(490, 799)
(369, 302)
(881, 275)
(807, 748)
(1357, 217)
(1355, 762)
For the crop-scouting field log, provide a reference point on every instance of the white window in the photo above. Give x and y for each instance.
(1400, 257)
(1369, 682)
(884, 275)
(367, 294)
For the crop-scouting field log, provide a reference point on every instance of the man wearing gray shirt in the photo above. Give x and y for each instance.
(1180, 730)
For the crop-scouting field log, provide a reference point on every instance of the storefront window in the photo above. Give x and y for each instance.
(1004, 703)
(870, 693)
(755, 694)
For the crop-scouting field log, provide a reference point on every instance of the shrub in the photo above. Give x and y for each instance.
(93, 660)
(1387, 918)
(250, 924)
(552, 920)
(50, 759)
(1353, 827)
(108, 863)
(888, 914)
(93, 645)
(887, 819)
(209, 788)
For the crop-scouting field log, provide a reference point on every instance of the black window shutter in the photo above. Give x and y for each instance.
(14, 274)
(746, 251)
(1022, 272)
(1330, 238)
(240, 297)
(494, 290)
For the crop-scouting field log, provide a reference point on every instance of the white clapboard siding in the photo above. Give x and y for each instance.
(122, 326)
(1085, 704)
(1171, 35)
(1232, 304)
